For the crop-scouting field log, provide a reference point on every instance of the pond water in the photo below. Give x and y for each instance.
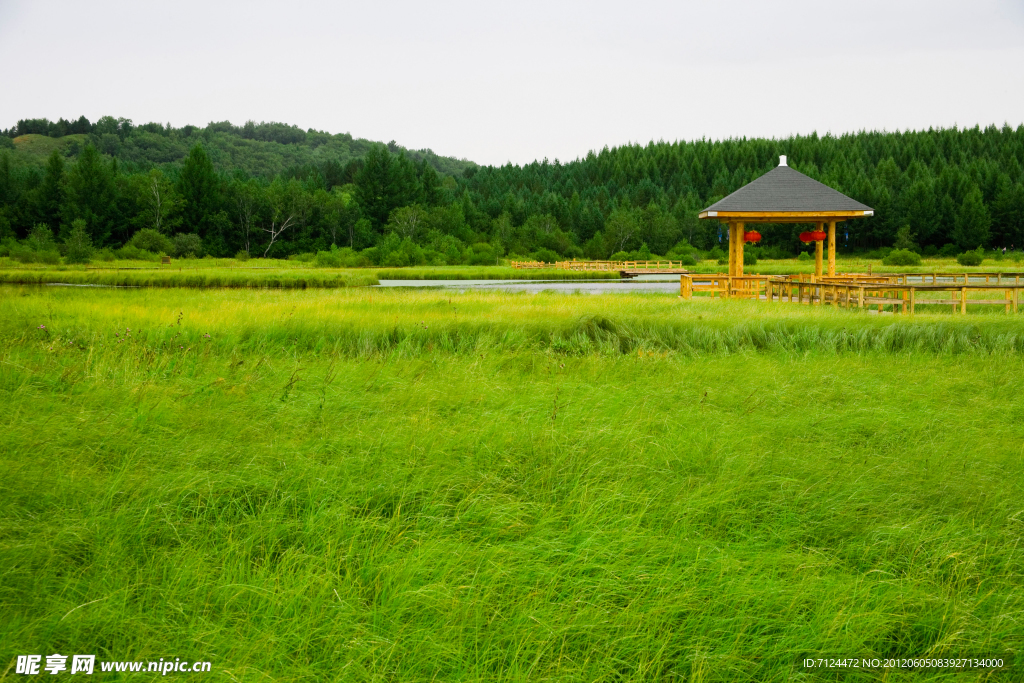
(667, 284)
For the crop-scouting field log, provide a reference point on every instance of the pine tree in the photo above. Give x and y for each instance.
(50, 194)
(971, 226)
(90, 196)
(199, 189)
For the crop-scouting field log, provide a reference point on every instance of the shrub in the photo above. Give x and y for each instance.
(902, 257)
(105, 254)
(687, 260)
(930, 250)
(48, 257)
(242, 255)
(327, 259)
(78, 244)
(804, 256)
(41, 239)
(307, 257)
(970, 258)
(948, 250)
(188, 245)
(548, 256)
(132, 253)
(905, 240)
(22, 254)
(749, 258)
(716, 253)
(723, 261)
(151, 240)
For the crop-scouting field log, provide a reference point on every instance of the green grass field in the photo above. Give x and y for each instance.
(381, 485)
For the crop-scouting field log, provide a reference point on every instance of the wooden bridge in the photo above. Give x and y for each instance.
(627, 269)
(902, 292)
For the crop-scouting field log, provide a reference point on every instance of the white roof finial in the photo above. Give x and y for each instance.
(782, 160)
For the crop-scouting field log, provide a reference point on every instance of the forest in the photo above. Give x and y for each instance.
(275, 190)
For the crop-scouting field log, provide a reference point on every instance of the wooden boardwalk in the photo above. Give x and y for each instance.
(627, 269)
(901, 293)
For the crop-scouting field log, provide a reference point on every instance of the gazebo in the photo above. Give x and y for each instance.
(784, 195)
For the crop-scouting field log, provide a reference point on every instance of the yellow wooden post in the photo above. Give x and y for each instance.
(735, 248)
(963, 300)
(1016, 296)
(817, 258)
(831, 248)
(860, 297)
(913, 300)
(739, 248)
(1009, 295)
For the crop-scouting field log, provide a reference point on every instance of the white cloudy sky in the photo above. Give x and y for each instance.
(517, 81)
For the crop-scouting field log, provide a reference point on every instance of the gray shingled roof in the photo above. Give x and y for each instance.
(783, 189)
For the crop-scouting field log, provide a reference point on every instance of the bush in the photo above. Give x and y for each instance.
(41, 239)
(930, 250)
(687, 260)
(78, 244)
(327, 259)
(132, 253)
(188, 245)
(22, 254)
(242, 255)
(548, 256)
(804, 256)
(153, 241)
(948, 250)
(749, 258)
(50, 258)
(716, 254)
(723, 261)
(307, 257)
(970, 258)
(105, 254)
(902, 257)
(481, 254)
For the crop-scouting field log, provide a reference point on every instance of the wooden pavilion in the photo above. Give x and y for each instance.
(784, 195)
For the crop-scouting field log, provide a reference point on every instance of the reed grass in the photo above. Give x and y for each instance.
(194, 278)
(370, 485)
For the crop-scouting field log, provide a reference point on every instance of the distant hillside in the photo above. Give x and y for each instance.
(258, 149)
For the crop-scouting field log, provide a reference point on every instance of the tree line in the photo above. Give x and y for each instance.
(276, 190)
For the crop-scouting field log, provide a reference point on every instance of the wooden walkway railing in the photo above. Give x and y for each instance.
(850, 292)
(603, 265)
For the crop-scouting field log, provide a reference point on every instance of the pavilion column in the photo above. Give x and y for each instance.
(739, 248)
(732, 249)
(817, 252)
(831, 248)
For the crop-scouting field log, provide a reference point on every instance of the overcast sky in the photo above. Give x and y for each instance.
(518, 81)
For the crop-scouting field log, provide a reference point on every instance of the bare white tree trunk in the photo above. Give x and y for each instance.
(275, 231)
(158, 203)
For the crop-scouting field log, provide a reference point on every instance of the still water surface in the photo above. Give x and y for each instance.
(644, 283)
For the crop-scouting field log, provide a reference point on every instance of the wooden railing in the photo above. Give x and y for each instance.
(894, 296)
(603, 265)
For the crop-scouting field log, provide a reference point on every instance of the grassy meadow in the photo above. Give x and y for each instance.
(388, 485)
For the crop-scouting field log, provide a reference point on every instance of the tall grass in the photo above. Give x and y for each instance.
(415, 486)
(194, 278)
(361, 322)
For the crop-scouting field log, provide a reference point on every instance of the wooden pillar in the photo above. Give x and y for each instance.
(963, 300)
(831, 248)
(739, 248)
(732, 248)
(913, 299)
(817, 253)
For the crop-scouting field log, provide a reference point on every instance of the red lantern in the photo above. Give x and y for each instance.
(813, 236)
(752, 236)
